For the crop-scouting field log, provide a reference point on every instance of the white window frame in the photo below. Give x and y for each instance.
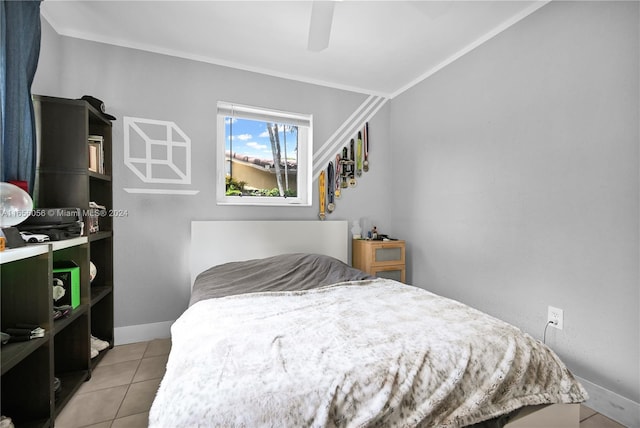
(304, 122)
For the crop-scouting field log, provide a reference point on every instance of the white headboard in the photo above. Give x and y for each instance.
(217, 242)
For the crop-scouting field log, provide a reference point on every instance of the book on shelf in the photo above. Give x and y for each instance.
(96, 153)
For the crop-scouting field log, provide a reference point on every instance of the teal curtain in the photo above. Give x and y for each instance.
(19, 51)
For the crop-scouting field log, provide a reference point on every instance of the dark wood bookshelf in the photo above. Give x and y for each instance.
(13, 353)
(28, 369)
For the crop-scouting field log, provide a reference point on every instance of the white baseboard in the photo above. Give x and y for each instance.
(612, 405)
(142, 332)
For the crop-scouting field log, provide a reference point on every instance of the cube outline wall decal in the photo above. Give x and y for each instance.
(143, 166)
(141, 154)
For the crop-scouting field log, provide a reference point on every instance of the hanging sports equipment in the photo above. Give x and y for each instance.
(322, 188)
(330, 188)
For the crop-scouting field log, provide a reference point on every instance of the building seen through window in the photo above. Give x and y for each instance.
(265, 156)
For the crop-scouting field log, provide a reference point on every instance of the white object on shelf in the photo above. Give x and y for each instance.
(15, 205)
(93, 271)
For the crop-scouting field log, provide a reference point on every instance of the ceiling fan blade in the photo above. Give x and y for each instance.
(320, 26)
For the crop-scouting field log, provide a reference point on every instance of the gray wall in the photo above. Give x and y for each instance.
(524, 154)
(152, 242)
(50, 79)
(515, 174)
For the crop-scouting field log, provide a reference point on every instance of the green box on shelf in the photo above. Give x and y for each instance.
(66, 275)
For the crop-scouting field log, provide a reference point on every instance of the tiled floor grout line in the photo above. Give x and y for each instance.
(584, 419)
(130, 383)
(124, 397)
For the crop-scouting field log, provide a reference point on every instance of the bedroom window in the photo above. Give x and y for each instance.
(263, 156)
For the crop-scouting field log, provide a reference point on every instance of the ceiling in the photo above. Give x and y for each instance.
(375, 47)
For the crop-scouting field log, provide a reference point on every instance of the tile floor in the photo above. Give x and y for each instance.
(121, 388)
(123, 385)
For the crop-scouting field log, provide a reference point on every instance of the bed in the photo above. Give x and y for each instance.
(281, 332)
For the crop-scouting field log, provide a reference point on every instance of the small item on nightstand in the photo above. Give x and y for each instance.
(355, 230)
(365, 224)
(374, 233)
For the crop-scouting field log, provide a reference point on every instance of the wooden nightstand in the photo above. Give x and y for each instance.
(384, 259)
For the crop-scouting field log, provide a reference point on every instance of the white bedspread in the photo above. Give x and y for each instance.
(365, 353)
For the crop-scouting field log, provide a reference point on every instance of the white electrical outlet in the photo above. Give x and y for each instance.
(555, 316)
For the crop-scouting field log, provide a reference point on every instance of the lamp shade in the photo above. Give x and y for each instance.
(15, 205)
